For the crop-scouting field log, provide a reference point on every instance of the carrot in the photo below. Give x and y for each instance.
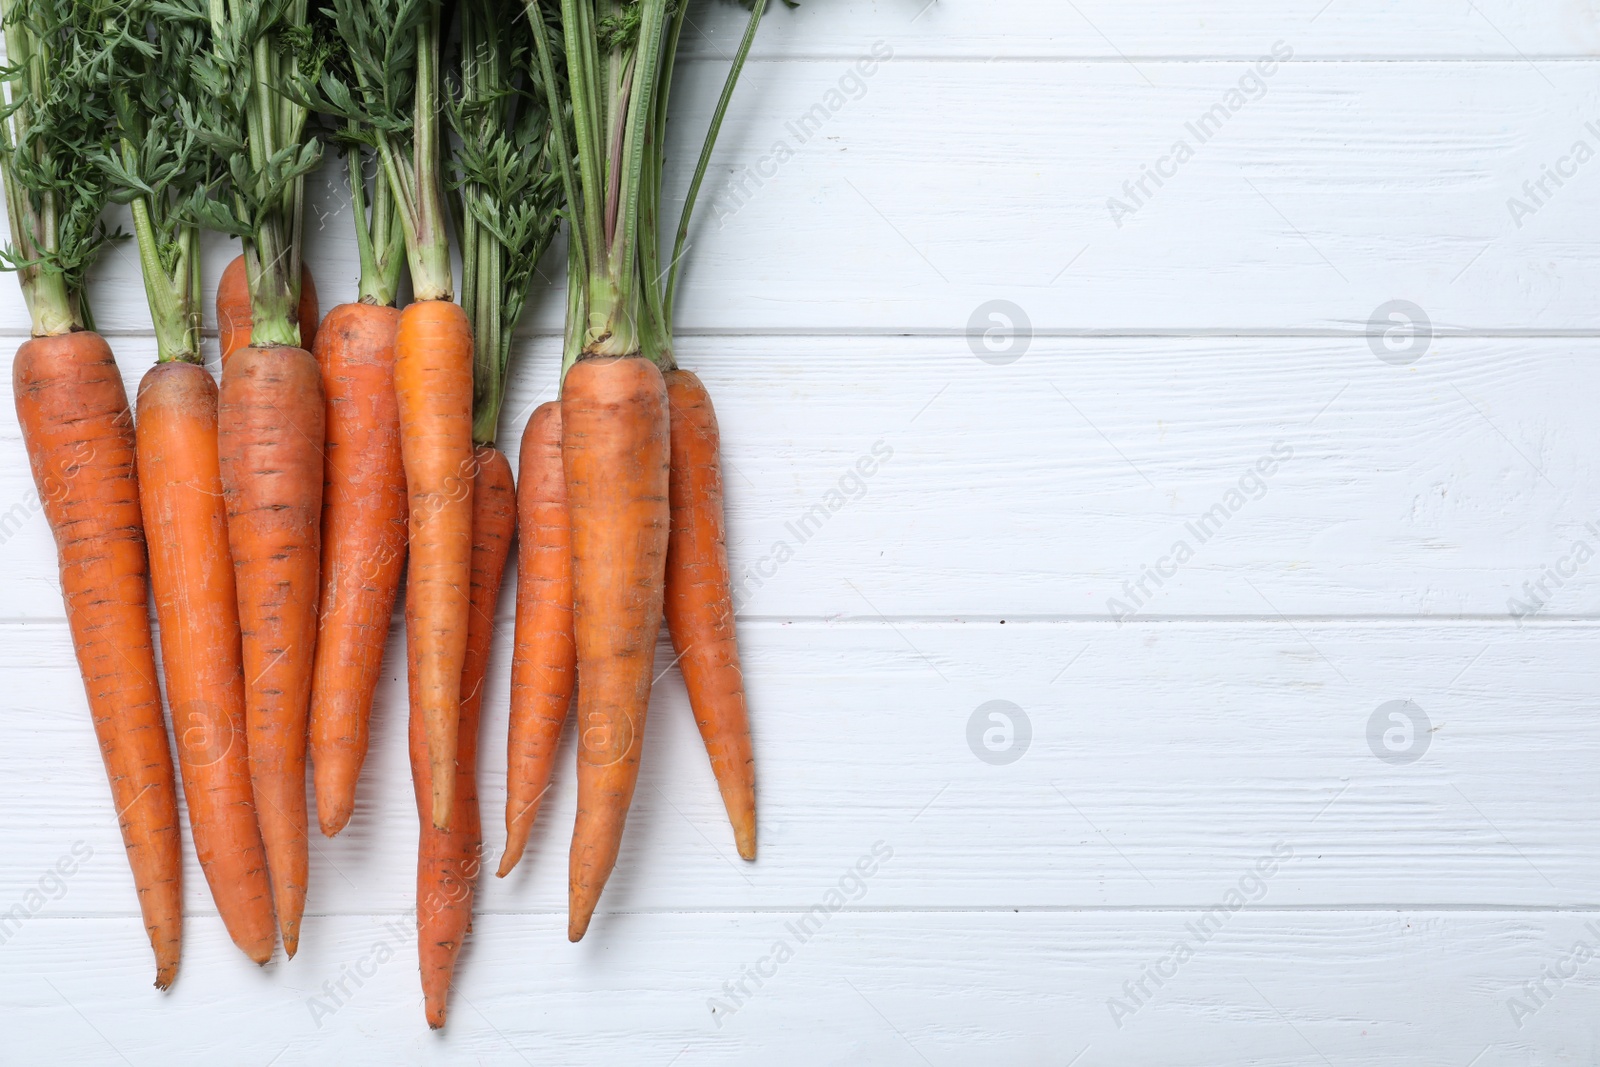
(449, 861)
(271, 423)
(180, 487)
(191, 572)
(363, 545)
(699, 602)
(544, 663)
(393, 49)
(78, 430)
(234, 317)
(615, 452)
(79, 436)
(433, 386)
(271, 419)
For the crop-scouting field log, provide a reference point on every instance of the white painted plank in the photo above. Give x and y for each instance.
(1155, 759)
(1516, 30)
(1269, 989)
(1043, 486)
(1342, 186)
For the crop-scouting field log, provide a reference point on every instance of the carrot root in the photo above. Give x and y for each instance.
(363, 546)
(271, 419)
(615, 453)
(433, 389)
(699, 603)
(191, 573)
(544, 663)
(449, 861)
(81, 449)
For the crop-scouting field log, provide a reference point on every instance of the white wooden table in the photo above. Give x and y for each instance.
(1282, 440)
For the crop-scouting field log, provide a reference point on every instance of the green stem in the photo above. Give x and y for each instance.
(427, 234)
(705, 155)
(175, 340)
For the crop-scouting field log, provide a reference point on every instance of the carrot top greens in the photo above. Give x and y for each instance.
(508, 187)
(157, 160)
(55, 114)
(262, 61)
(387, 84)
(619, 57)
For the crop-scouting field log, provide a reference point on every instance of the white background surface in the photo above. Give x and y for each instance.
(829, 311)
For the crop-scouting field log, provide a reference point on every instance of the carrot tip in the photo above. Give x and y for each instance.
(335, 820)
(165, 976)
(578, 924)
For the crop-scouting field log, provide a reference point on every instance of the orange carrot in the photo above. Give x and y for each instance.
(448, 861)
(433, 387)
(234, 314)
(363, 545)
(80, 440)
(615, 452)
(271, 419)
(544, 663)
(699, 602)
(191, 573)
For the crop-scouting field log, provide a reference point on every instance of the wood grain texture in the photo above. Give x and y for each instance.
(1156, 759)
(1392, 989)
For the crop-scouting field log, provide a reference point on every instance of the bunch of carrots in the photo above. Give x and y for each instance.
(273, 515)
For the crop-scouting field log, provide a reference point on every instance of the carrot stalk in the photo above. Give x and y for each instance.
(615, 452)
(449, 861)
(699, 603)
(235, 319)
(544, 660)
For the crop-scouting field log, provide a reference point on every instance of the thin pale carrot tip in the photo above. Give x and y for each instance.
(335, 820)
(745, 838)
(508, 861)
(165, 975)
(578, 915)
(443, 803)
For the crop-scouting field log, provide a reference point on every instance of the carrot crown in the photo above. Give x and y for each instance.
(620, 56)
(387, 84)
(507, 185)
(156, 159)
(263, 59)
(55, 114)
